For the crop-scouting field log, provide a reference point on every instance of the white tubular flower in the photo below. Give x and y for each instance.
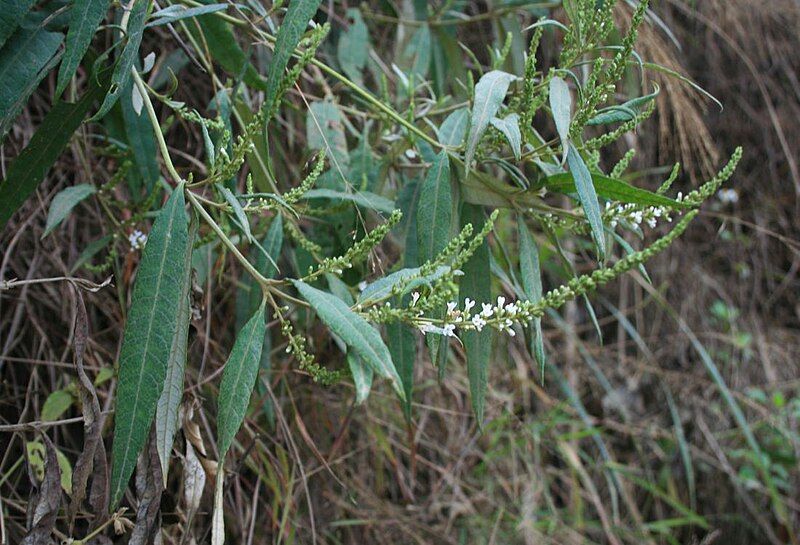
(487, 311)
(478, 322)
(501, 301)
(451, 307)
(414, 298)
(468, 304)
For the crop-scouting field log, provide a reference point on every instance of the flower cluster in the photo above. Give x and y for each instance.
(137, 240)
(728, 196)
(635, 215)
(501, 316)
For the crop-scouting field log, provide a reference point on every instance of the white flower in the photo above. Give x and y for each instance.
(451, 306)
(478, 322)
(414, 298)
(487, 310)
(362, 285)
(449, 330)
(468, 304)
(512, 308)
(501, 301)
(137, 240)
(728, 196)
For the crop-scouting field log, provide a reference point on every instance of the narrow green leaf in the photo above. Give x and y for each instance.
(238, 211)
(561, 106)
(402, 344)
(325, 131)
(362, 376)
(225, 49)
(416, 56)
(476, 284)
(176, 12)
(352, 51)
(122, 70)
(623, 112)
(84, 18)
(588, 198)
(89, 252)
(239, 379)
(63, 203)
(12, 12)
(611, 188)
(509, 126)
(24, 61)
(56, 405)
(383, 287)
(354, 330)
(531, 274)
(172, 393)
(142, 141)
(435, 210)
(361, 198)
(156, 307)
(30, 167)
(289, 34)
(454, 128)
(490, 91)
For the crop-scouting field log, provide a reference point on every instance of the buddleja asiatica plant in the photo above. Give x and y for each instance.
(477, 139)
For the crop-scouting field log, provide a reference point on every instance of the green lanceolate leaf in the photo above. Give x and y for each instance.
(384, 287)
(561, 106)
(226, 51)
(325, 131)
(172, 393)
(611, 188)
(30, 167)
(435, 210)
(352, 51)
(63, 203)
(531, 274)
(476, 285)
(238, 211)
(623, 112)
(402, 345)
(362, 376)
(509, 126)
(239, 379)
(142, 141)
(490, 92)
(147, 345)
(122, 71)
(361, 198)
(12, 12)
(588, 198)
(85, 16)
(354, 330)
(176, 12)
(24, 61)
(454, 128)
(289, 34)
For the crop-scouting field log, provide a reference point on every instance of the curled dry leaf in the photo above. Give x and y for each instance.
(194, 481)
(148, 492)
(45, 503)
(92, 461)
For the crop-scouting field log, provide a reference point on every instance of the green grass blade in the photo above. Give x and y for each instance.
(152, 325)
